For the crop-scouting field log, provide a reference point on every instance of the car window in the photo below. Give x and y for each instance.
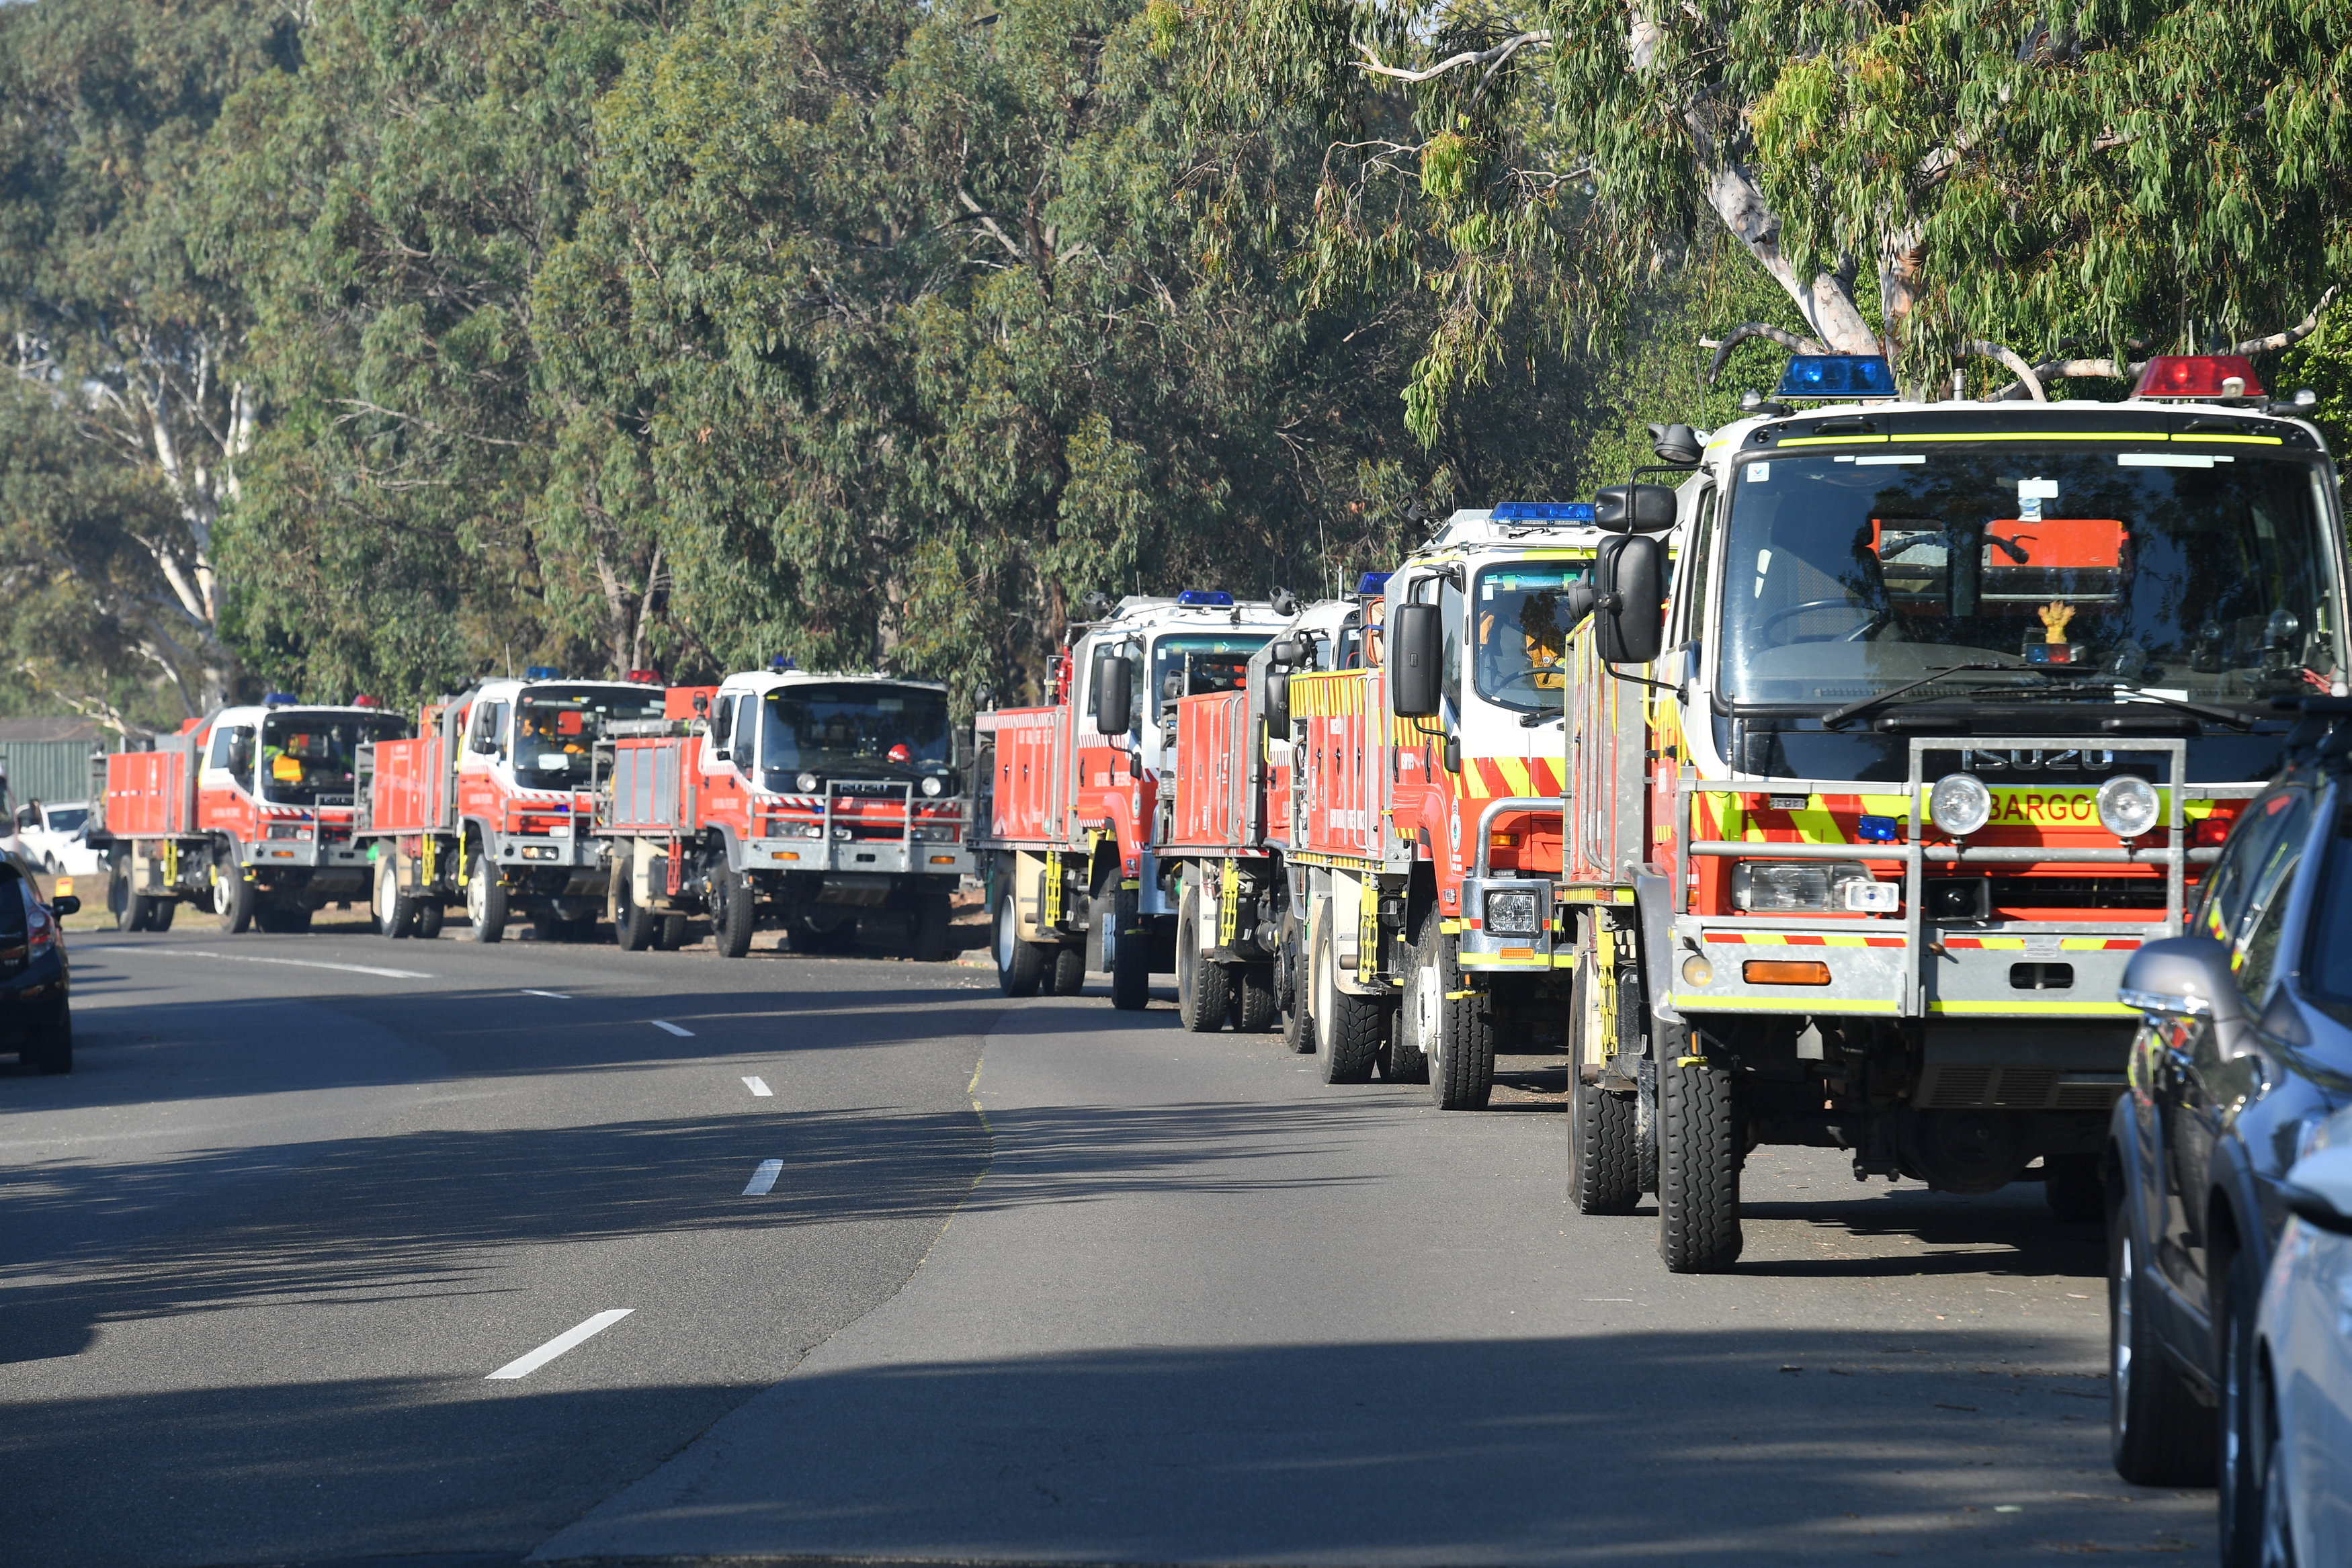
(13, 910)
(2230, 891)
(2254, 957)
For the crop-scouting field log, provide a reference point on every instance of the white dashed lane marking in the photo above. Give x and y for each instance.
(524, 1366)
(758, 1086)
(666, 1024)
(763, 1180)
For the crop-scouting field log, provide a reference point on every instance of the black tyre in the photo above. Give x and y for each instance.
(1604, 1130)
(1130, 941)
(927, 938)
(669, 934)
(1254, 1008)
(2158, 1433)
(1349, 1029)
(136, 912)
(485, 899)
(1069, 971)
(1203, 989)
(52, 1048)
(1406, 1059)
(1452, 1025)
(430, 915)
(118, 891)
(2278, 1500)
(633, 923)
(160, 912)
(2071, 1188)
(1292, 988)
(1699, 1151)
(396, 912)
(1019, 964)
(737, 916)
(2238, 1296)
(234, 899)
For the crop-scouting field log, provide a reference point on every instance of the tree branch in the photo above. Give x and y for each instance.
(1492, 58)
(1742, 333)
(2291, 336)
(2016, 367)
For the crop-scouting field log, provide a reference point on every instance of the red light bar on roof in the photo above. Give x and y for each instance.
(2198, 376)
(643, 677)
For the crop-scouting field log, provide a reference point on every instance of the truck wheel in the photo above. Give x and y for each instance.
(633, 923)
(118, 890)
(1407, 1060)
(929, 937)
(1349, 1029)
(1699, 1176)
(1130, 952)
(1019, 964)
(1604, 1158)
(2157, 1432)
(486, 900)
(160, 912)
(1254, 1008)
(1069, 971)
(736, 918)
(52, 1048)
(1203, 989)
(234, 900)
(396, 912)
(1451, 1028)
(1292, 989)
(430, 914)
(669, 934)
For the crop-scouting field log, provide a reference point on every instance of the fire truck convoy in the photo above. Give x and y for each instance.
(1069, 791)
(813, 801)
(1384, 822)
(246, 812)
(1949, 708)
(491, 806)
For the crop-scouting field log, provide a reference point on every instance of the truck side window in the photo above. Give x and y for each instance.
(722, 723)
(238, 752)
(1690, 612)
(218, 756)
(491, 723)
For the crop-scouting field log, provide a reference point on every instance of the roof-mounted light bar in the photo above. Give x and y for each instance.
(1836, 376)
(1544, 512)
(2197, 377)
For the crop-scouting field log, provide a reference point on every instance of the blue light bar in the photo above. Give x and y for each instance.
(1205, 599)
(782, 662)
(1544, 512)
(540, 673)
(1836, 375)
(280, 699)
(1371, 583)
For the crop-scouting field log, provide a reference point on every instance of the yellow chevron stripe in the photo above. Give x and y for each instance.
(1779, 1004)
(1514, 770)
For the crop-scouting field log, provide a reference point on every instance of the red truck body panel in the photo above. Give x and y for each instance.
(410, 791)
(147, 794)
(1217, 800)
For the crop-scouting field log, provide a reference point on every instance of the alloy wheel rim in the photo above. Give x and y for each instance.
(477, 894)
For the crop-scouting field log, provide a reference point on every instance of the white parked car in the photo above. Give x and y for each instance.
(2302, 1427)
(55, 838)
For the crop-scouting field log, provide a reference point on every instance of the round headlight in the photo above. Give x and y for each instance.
(934, 787)
(1698, 971)
(807, 782)
(2129, 806)
(1960, 804)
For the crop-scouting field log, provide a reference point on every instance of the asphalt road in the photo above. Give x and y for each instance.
(1012, 1283)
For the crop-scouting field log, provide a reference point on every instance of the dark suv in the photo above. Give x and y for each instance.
(36, 1017)
(2246, 1049)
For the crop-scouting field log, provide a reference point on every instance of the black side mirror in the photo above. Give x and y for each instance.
(1416, 651)
(2180, 977)
(1630, 598)
(1114, 703)
(1676, 443)
(1277, 705)
(65, 904)
(1634, 508)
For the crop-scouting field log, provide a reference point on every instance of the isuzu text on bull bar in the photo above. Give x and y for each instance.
(1955, 703)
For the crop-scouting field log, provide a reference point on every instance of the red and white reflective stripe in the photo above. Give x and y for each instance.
(1801, 939)
(2067, 944)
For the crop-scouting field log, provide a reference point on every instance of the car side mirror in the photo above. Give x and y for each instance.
(65, 904)
(2180, 977)
(1416, 656)
(2319, 1189)
(1629, 600)
(1114, 701)
(1277, 705)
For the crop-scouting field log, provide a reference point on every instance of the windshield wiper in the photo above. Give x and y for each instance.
(1838, 715)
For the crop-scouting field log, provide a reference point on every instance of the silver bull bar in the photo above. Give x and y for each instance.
(2175, 856)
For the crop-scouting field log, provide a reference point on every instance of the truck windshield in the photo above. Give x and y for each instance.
(1198, 663)
(1525, 612)
(556, 729)
(306, 758)
(2175, 573)
(852, 728)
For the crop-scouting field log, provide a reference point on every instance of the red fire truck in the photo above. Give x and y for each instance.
(246, 812)
(1069, 791)
(1224, 828)
(1956, 703)
(820, 802)
(491, 806)
(1424, 801)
